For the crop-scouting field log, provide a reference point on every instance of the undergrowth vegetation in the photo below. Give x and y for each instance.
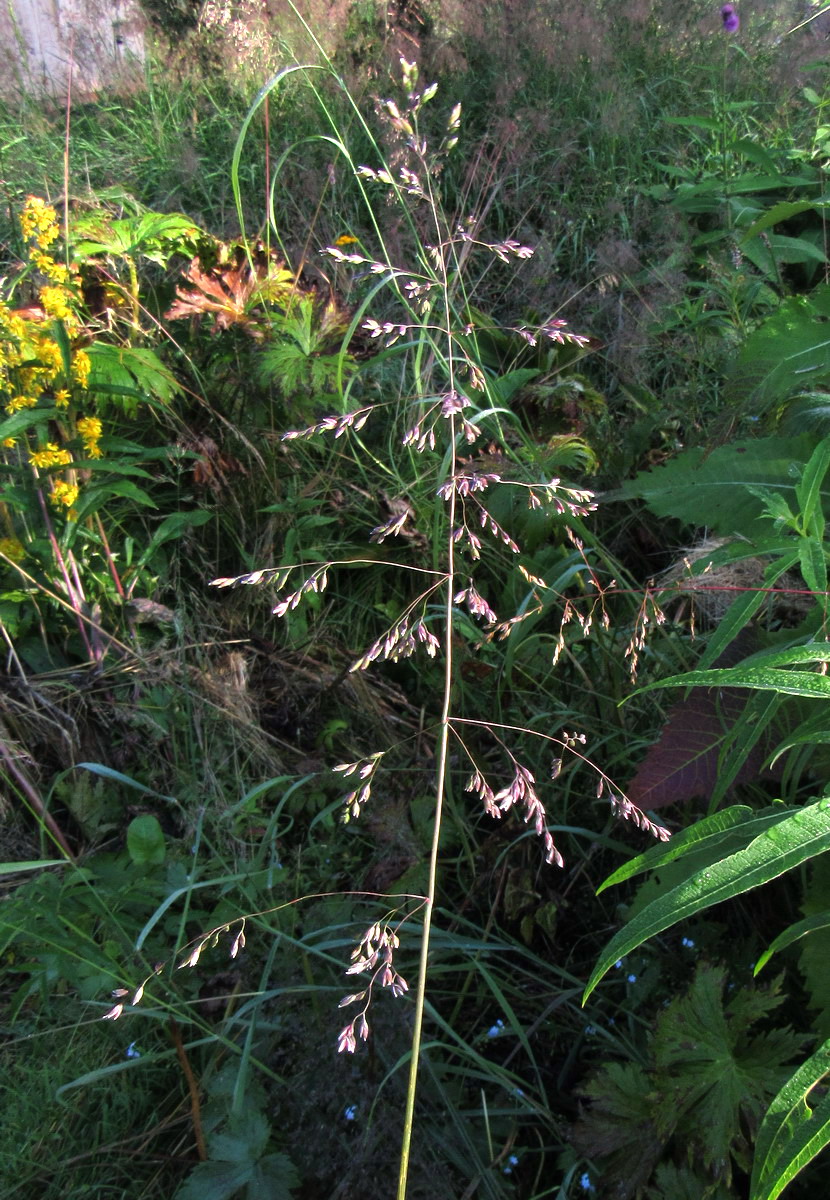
(413, 590)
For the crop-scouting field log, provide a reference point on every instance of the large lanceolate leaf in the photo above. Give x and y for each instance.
(799, 836)
(764, 672)
(713, 490)
(795, 1128)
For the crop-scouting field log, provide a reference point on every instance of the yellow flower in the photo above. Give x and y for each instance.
(90, 428)
(12, 548)
(81, 366)
(9, 443)
(62, 398)
(345, 239)
(51, 455)
(64, 493)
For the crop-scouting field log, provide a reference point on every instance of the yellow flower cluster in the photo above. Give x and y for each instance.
(39, 222)
(35, 365)
(64, 494)
(90, 430)
(12, 338)
(26, 384)
(56, 303)
(50, 455)
(11, 548)
(48, 266)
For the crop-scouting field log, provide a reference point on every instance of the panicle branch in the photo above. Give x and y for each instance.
(336, 425)
(207, 940)
(364, 769)
(374, 955)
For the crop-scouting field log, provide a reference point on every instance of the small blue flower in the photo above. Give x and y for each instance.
(131, 1051)
(496, 1029)
(350, 1113)
(585, 1181)
(618, 964)
(631, 978)
(688, 943)
(589, 1029)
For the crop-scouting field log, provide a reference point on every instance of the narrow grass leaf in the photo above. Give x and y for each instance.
(799, 930)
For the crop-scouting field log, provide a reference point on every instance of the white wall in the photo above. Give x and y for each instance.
(101, 40)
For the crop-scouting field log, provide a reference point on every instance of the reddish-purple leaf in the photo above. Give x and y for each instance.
(683, 763)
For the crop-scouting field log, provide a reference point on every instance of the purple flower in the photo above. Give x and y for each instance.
(731, 20)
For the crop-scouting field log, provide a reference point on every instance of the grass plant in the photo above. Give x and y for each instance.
(349, 347)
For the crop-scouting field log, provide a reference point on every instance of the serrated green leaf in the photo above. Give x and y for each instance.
(275, 1176)
(215, 1181)
(717, 1074)
(713, 489)
(802, 835)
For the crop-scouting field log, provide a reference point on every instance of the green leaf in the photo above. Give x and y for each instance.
(215, 1181)
(788, 352)
(244, 1141)
(800, 836)
(710, 830)
(759, 671)
(742, 610)
(808, 489)
(713, 490)
(19, 422)
(754, 153)
(12, 868)
(813, 563)
(792, 1132)
(799, 930)
(130, 371)
(717, 1075)
(117, 777)
(171, 527)
(145, 841)
(94, 498)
